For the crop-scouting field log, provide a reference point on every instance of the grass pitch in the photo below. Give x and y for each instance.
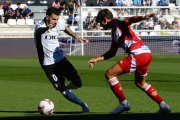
(23, 84)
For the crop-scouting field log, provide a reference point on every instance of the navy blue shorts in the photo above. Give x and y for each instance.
(59, 72)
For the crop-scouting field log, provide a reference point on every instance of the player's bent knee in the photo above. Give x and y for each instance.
(77, 83)
(108, 74)
(137, 84)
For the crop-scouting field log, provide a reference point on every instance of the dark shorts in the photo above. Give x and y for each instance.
(59, 72)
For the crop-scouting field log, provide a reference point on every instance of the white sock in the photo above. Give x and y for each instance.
(125, 102)
(162, 104)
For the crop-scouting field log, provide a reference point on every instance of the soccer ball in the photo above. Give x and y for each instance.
(46, 107)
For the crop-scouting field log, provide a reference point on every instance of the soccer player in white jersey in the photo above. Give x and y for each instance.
(51, 57)
(138, 59)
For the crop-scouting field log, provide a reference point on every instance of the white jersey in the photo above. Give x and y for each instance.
(47, 43)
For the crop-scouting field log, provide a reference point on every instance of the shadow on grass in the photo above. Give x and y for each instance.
(93, 116)
(31, 112)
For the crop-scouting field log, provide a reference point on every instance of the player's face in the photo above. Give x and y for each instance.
(53, 19)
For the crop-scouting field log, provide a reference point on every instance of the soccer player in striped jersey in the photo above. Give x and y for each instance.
(138, 59)
(51, 57)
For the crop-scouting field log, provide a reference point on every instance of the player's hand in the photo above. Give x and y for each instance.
(50, 25)
(92, 62)
(83, 40)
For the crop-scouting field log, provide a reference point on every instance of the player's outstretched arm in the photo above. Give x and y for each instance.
(150, 15)
(136, 19)
(71, 33)
(109, 54)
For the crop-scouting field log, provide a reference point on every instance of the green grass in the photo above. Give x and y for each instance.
(23, 84)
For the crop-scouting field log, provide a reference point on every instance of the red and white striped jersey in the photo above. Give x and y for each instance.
(123, 36)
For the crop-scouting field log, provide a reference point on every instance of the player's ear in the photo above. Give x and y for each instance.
(104, 20)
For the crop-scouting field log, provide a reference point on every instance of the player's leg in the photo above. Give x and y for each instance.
(71, 74)
(73, 98)
(75, 80)
(111, 76)
(152, 93)
(58, 81)
(142, 63)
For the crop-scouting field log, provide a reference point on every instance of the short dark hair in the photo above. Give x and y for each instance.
(52, 10)
(104, 13)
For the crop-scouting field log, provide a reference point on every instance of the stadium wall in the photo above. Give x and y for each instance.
(17, 47)
(25, 47)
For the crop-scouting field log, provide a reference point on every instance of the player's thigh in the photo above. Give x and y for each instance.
(126, 64)
(114, 71)
(69, 71)
(57, 80)
(142, 63)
